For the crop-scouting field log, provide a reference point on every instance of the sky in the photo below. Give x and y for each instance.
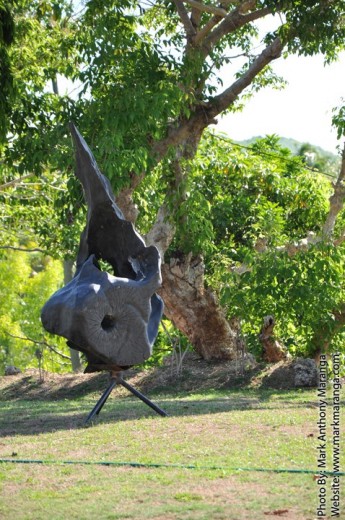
(302, 110)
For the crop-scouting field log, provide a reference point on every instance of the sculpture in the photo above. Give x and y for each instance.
(113, 320)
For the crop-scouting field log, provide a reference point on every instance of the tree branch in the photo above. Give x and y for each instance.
(183, 14)
(195, 18)
(246, 6)
(44, 343)
(162, 232)
(190, 130)
(199, 37)
(124, 198)
(227, 98)
(219, 11)
(25, 250)
(15, 181)
(187, 129)
(336, 204)
(336, 201)
(233, 21)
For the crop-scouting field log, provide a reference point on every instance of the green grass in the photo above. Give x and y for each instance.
(224, 429)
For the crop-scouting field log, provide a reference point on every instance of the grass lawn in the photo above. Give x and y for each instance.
(226, 429)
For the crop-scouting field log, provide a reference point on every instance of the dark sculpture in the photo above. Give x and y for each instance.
(113, 320)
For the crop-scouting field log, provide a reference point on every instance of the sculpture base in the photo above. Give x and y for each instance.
(116, 379)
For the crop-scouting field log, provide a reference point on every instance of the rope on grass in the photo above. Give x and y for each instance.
(178, 466)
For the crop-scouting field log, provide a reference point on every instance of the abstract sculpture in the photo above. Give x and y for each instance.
(113, 320)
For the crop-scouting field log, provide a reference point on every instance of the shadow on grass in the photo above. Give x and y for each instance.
(24, 417)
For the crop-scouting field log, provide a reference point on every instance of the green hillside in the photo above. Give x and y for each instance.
(315, 156)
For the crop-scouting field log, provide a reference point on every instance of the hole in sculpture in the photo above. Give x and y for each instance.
(105, 266)
(108, 323)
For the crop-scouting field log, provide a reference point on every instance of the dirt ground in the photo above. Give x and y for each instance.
(192, 374)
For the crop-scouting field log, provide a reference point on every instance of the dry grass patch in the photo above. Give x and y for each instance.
(134, 493)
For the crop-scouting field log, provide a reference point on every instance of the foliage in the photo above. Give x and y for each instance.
(319, 160)
(260, 204)
(92, 51)
(327, 22)
(169, 342)
(300, 291)
(133, 79)
(246, 194)
(41, 50)
(27, 281)
(338, 120)
(132, 75)
(47, 209)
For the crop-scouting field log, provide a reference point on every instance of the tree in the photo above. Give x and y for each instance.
(277, 242)
(27, 280)
(149, 80)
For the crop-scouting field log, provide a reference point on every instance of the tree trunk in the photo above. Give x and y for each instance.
(68, 275)
(195, 311)
(273, 350)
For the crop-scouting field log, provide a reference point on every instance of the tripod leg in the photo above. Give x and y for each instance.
(141, 396)
(101, 402)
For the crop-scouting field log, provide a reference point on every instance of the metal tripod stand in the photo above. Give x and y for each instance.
(116, 379)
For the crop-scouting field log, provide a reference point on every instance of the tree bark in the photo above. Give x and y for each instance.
(336, 201)
(273, 350)
(195, 311)
(124, 198)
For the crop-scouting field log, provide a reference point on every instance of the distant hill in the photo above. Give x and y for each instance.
(323, 160)
(292, 144)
